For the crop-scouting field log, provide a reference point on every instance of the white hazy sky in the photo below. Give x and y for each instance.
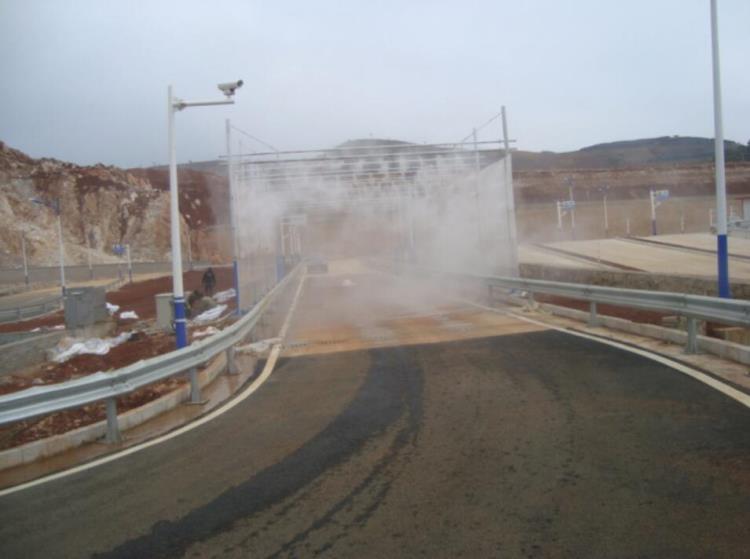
(85, 81)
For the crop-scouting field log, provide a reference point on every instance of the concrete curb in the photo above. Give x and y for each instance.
(56, 444)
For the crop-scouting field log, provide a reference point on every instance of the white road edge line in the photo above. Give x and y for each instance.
(254, 386)
(725, 389)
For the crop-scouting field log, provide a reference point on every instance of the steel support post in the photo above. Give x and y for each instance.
(593, 317)
(692, 333)
(113, 427)
(231, 362)
(195, 387)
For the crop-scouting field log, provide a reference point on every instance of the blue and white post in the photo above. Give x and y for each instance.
(174, 104)
(233, 219)
(178, 293)
(721, 187)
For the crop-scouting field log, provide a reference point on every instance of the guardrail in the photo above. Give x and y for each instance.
(23, 312)
(692, 307)
(44, 400)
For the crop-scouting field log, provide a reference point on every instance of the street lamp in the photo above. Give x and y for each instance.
(54, 205)
(174, 105)
(721, 187)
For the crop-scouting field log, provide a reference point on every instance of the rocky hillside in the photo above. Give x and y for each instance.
(101, 206)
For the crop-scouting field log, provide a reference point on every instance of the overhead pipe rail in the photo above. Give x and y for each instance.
(107, 387)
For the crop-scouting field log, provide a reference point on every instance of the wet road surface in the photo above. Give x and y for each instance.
(536, 444)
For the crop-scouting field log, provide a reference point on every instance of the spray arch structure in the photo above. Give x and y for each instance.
(445, 206)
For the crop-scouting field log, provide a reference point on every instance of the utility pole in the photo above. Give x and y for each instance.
(510, 204)
(606, 216)
(88, 255)
(233, 218)
(25, 261)
(653, 211)
(130, 263)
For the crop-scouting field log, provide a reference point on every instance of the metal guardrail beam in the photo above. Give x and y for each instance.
(44, 400)
(725, 311)
(693, 307)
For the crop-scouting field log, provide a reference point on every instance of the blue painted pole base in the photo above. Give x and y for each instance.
(180, 322)
(722, 250)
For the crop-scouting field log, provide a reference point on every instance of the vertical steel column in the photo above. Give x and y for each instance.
(510, 203)
(180, 322)
(62, 248)
(593, 317)
(195, 387)
(692, 332)
(130, 263)
(113, 428)
(606, 218)
(721, 187)
(25, 260)
(233, 218)
(88, 255)
(231, 362)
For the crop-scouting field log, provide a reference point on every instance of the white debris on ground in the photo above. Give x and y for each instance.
(258, 348)
(112, 309)
(58, 327)
(210, 331)
(129, 315)
(347, 283)
(224, 296)
(70, 347)
(210, 314)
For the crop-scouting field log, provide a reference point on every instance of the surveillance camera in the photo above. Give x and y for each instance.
(229, 88)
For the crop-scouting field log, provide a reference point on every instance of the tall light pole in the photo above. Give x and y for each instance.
(721, 187)
(233, 219)
(173, 105)
(55, 207)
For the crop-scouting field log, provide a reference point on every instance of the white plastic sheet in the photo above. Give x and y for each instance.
(210, 314)
(224, 296)
(112, 309)
(70, 347)
(129, 315)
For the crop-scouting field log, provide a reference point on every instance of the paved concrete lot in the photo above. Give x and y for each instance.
(529, 254)
(533, 443)
(656, 259)
(705, 241)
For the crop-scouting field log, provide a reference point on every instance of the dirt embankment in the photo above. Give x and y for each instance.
(682, 180)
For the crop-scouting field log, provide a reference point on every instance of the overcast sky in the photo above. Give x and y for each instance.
(86, 81)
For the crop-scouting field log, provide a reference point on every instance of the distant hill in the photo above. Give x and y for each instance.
(627, 154)
(631, 153)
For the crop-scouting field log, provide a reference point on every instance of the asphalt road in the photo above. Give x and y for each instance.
(527, 445)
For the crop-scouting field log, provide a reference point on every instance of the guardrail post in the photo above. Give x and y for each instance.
(113, 427)
(692, 331)
(231, 364)
(195, 387)
(593, 317)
